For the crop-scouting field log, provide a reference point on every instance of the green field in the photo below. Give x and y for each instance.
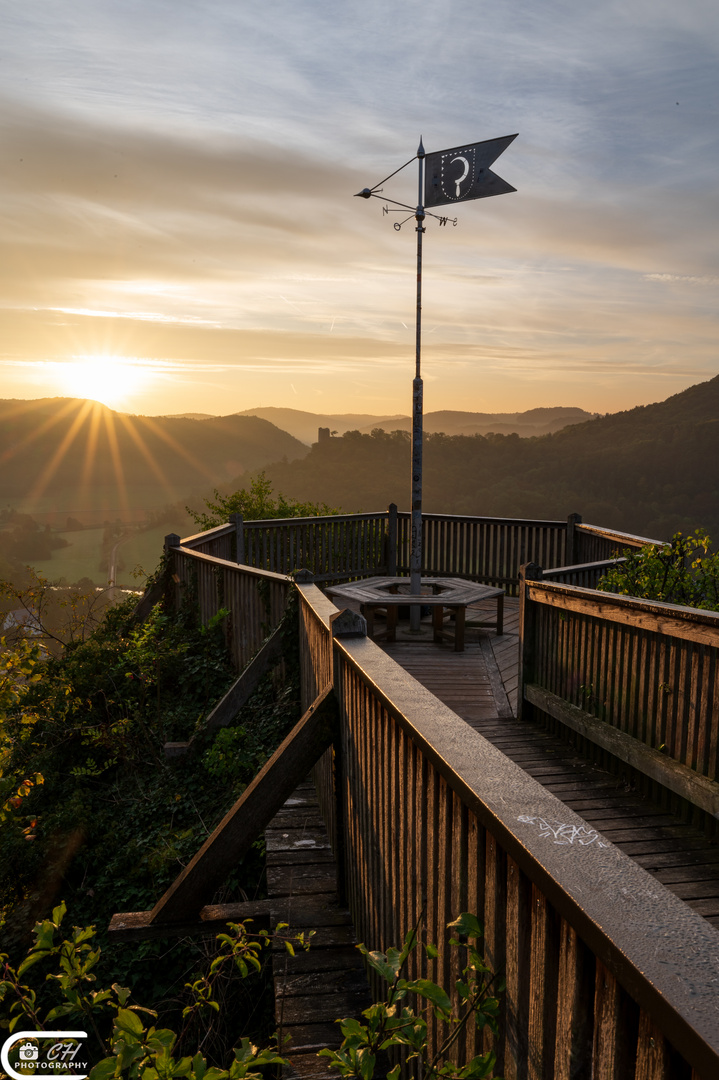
(144, 549)
(82, 557)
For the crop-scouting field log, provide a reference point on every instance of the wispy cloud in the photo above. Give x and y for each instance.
(177, 183)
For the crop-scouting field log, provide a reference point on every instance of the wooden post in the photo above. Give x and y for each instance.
(344, 623)
(571, 546)
(258, 804)
(239, 538)
(392, 540)
(172, 599)
(527, 644)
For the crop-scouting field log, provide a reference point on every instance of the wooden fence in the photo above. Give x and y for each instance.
(489, 550)
(591, 543)
(346, 546)
(254, 599)
(638, 679)
(608, 973)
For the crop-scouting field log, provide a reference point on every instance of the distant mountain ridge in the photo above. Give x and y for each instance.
(539, 421)
(79, 454)
(649, 470)
(303, 425)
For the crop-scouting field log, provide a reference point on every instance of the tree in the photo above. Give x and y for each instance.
(683, 572)
(255, 503)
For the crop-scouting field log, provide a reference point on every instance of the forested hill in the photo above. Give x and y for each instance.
(84, 454)
(650, 470)
(542, 421)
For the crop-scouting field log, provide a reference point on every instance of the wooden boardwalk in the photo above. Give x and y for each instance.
(480, 685)
(314, 988)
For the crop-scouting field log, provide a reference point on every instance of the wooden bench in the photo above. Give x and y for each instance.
(447, 597)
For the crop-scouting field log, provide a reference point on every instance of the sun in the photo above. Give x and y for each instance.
(112, 380)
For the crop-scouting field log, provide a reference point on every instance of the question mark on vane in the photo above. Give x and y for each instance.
(464, 174)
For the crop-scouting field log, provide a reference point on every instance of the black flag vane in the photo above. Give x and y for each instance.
(463, 173)
(445, 177)
(455, 175)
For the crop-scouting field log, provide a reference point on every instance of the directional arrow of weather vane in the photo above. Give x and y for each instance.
(448, 176)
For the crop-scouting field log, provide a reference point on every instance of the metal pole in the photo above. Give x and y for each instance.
(415, 561)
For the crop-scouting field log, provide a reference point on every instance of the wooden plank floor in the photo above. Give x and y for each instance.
(312, 989)
(480, 685)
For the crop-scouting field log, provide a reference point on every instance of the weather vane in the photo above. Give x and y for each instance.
(447, 176)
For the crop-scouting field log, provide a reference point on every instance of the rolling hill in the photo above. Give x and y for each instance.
(527, 424)
(70, 455)
(649, 470)
(304, 425)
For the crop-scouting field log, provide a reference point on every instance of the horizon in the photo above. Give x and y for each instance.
(182, 229)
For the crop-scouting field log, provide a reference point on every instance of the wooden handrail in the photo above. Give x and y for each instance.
(437, 819)
(613, 535)
(603, 965)
(483, 548)
(209, 534)
(604, 664)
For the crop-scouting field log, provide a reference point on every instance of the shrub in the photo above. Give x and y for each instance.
(683, 572)
(255, 503)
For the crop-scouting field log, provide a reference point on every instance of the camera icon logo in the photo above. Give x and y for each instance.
(28, 1052)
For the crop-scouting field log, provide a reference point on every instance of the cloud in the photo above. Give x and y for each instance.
(177, 183)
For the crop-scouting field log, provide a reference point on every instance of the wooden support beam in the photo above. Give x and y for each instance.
(679, 778)
(239, 693)
(252, 812)
(212, 919)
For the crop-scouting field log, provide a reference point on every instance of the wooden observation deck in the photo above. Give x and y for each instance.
(480, 685)
(560, 780)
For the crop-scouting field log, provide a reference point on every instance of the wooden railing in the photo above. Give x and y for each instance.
(607, 972)
(220, 542)
(637, 678)
(591, 543)
(489, 550)
(254, 599)
(586, 575)
(333, 548)
(344, 546)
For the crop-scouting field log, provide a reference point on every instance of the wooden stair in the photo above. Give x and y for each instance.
(314, 988)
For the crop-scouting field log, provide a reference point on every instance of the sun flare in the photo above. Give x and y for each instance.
(111, 380)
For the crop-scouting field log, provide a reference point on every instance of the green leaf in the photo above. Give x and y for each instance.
(128, 1052)
(429, 990)
(215, 1074)
(387, 964)
(44, 935)
(122, 993)
(366, 1062)
(32, 958)
(129, 1022)
(350, 1026)
(163, 1039)
(104, 1069)
(467, 925)
(58, 913)
(61, 1010)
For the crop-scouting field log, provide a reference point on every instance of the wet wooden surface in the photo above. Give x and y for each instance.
(480, 685)
(314, 988)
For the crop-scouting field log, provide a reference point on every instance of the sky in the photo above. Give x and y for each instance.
(179, 232)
